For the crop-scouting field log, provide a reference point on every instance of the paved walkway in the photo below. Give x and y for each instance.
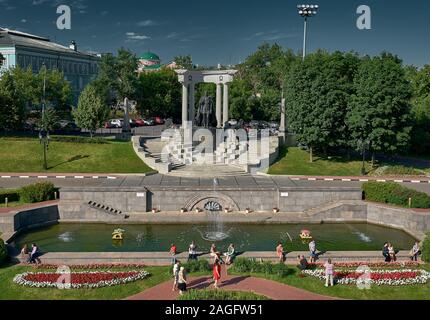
(271, 289)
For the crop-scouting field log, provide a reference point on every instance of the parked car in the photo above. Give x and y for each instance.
(117, 123)
(149, 122)
(233, 122)
(139, 122)
(159, 121)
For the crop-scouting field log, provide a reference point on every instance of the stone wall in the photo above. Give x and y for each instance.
(13, 222)
(74, 202)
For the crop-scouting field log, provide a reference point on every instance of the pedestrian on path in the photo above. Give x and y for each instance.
(173, 251)
(176, 268)
(313, 251)
(192, 252)
(182, 281)
(230, 254)
(280, 253)
(329, 272)
(386, 253)
(392, 252)
(217, 272)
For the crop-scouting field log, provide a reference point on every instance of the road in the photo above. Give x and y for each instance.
(163, 180)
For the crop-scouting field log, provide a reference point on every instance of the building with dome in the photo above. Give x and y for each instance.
(149, 61)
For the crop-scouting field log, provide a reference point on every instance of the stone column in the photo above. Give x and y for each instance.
(225, 105)
(192, 104)
(184, 104)
(219, 105)
(282, 129)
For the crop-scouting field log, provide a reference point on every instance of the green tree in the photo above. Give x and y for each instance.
(420, 81)
(379, 110)
(12, 103)
(185, 62)
(118, 77)
(49, 120)
(317, 93)
(91, 112)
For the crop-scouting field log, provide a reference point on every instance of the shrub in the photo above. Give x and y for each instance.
(402, 171)
(198, 266)
(242, 265)
(396, 194)
(3, 251)
(77, 139)
(426, 249)
(42, 191)
(11, 195)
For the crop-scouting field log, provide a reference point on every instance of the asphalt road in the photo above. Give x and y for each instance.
(162, 180)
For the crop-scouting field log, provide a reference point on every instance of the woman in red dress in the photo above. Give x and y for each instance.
(217, 272)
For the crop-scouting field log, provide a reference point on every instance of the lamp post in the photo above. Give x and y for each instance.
(306, 11)
(43, 133)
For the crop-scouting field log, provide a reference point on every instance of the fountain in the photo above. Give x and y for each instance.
(215, 229)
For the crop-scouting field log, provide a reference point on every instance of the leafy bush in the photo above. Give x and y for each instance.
(426, 249)
(402, 171)
(3, 251)
(11, 195)
(198, 266)
(42, 191)
(78, 139)
(396, 194)
(221, 295)
(242, 265)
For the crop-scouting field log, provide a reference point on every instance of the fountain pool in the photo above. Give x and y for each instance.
(246, 237)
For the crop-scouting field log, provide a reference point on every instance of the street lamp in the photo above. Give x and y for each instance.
(43, 133)
(306, 11)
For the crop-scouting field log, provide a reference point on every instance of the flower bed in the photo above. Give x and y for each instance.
(382, 265)
(79, 280)
(376, 277)
(92, 266)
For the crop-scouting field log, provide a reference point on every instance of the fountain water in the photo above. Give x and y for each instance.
(215, 230)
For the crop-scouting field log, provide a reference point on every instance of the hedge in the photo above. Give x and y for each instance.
(38, 192)
(242, 265)
(395, 194)
(3, 251)
(426, 249)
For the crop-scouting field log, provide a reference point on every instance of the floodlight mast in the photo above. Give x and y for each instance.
(306, 11)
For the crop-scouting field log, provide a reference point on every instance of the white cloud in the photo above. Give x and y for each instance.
(133, 36)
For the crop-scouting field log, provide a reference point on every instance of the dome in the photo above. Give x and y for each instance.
(149, 56)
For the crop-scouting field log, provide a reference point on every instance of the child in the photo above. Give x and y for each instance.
(329, 271)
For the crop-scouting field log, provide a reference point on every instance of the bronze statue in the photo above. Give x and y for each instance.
(205, 111)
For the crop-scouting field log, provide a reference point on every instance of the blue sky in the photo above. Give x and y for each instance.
(226, 31)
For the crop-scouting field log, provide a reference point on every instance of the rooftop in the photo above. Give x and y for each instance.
(17, 38)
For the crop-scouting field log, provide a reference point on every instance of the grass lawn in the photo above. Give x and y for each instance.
(25, 155)
(12, 291)
(416, 292)
(294, 161)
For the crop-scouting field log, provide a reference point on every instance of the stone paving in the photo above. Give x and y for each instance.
(271, 289)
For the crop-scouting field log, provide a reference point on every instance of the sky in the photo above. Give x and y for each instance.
(226, 31)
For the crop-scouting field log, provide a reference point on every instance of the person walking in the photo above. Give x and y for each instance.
(415, 252)
(173, 251)
(280, 253)
(192, 252)
(329, 272)
(313, 251)
(25, 254)
(231, 251)
(34, 255)
(217, 272)
(182, 281)
(176, 268)
(386, 253)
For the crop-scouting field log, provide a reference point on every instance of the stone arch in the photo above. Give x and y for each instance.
(199, 201)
